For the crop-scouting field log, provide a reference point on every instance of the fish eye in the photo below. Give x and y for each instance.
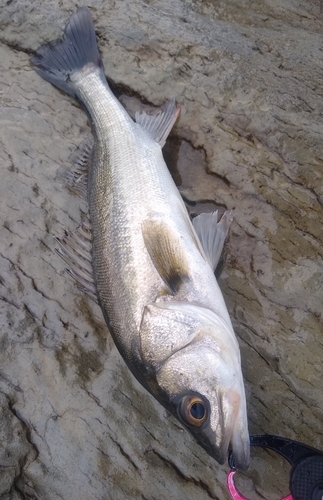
(193, 410)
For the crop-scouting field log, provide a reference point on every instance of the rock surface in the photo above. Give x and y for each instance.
(74, 424)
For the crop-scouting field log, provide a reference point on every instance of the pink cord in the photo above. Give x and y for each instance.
(234, 493)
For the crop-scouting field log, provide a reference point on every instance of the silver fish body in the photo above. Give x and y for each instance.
(152, 276)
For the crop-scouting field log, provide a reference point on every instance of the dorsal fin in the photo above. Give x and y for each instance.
(75, 175)
(166, 252)
(159, 125)
(75, 249)
(212, 234)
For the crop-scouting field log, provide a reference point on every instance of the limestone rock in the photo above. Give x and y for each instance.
(74, 424)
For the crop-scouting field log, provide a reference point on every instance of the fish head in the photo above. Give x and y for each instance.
(198, 376)
(205, 396)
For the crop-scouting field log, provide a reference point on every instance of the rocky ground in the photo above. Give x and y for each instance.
(74, 424)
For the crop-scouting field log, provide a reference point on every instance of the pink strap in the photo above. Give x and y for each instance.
(234, 493)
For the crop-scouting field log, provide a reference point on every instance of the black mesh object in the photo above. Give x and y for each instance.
(306, 479)
(306, 482)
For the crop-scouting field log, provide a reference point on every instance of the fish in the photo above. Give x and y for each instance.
(140, 256)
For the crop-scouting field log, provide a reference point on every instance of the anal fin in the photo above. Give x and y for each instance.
(75, 249)
(159, 125)
(212, 234)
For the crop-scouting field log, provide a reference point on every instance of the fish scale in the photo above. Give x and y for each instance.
(150, 268)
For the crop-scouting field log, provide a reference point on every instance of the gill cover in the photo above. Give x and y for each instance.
(169, 326)
(163, 332)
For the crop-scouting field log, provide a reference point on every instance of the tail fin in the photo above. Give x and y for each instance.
(57, 60)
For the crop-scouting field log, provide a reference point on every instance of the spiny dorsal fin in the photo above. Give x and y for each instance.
(159, 125)
(212, 234)
(165, 250)
(75, 175)
(75, 249)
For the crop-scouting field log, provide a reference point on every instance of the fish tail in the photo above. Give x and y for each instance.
(56, 61)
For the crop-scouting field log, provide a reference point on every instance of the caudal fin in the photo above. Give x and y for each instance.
(57, 60)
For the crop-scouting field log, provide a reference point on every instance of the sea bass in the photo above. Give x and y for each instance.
(148, 266)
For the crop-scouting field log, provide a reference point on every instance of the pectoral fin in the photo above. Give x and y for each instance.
(166, 252)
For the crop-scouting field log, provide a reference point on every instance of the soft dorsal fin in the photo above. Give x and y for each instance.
(75, 249)
(166, 252)
(212, 234)
(75, 175)
(159, 125)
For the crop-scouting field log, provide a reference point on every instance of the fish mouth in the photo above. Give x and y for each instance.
(241, 456)
(238, 446)
(229, 434)
(235, 430)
